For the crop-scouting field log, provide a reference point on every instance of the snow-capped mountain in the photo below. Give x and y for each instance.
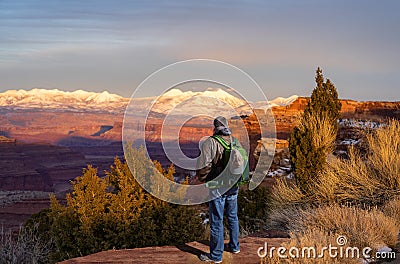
(176, 101)
(281, 101)
(56, 99)
(189, 103)
(218, 94)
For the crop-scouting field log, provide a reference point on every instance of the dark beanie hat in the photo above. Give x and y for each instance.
(220, 121)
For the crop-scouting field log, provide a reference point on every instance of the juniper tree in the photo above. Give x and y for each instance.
(89, 198)
(116, 212)
(313, 139)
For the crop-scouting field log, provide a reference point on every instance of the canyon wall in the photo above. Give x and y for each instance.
(41, 151)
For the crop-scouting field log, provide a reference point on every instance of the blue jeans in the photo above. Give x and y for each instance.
(216, 208)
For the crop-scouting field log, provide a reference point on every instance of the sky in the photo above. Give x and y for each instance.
(114, 45)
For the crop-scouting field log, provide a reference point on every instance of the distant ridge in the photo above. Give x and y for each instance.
(81, 100)
(56, 99)
(43, 96)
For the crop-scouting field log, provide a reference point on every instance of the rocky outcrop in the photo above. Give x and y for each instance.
(38, 167)
(15, 213)
(184, 254)
(29, 172)
(59, 128)
(287, 117)
(6, 140)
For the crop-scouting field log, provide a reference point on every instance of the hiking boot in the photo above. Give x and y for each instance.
(207, 258)
(228, 248)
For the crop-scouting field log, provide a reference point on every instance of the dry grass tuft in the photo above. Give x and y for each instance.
(316, 238)
(362, 227)
(392, 209)
(371, 179)
(321, 226)
(349, 180)
(287, 198)
(384, 154)
(281, 218)
(367, 180)
(287, 193)
(360, 182)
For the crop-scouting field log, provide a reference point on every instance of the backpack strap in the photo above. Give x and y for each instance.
(222, 142)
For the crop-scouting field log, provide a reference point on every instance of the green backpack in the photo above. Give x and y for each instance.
(236, 156)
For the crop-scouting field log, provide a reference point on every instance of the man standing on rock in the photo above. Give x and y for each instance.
(212, 164)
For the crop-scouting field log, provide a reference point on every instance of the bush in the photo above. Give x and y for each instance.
(370, 179)
(310, 144)
(313, 139)
(27, 247)
(321, 226)
(287, 200)
(366, 180)
(392, 209)
(115, 213)
(356, 197)
(362, 227)
(169, 225)
(254, 207)
(316, 238)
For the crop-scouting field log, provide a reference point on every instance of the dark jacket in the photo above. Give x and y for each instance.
(210, 160)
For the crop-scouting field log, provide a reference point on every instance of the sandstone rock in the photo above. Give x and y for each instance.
(184, 254)
(37, 167)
